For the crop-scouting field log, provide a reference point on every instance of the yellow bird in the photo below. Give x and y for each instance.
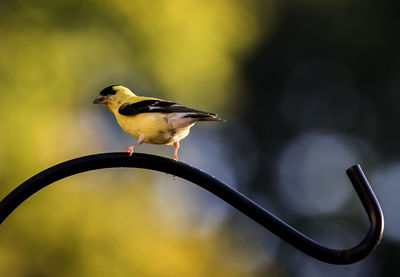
(151, 120)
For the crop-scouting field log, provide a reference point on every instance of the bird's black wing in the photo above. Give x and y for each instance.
(157, 106)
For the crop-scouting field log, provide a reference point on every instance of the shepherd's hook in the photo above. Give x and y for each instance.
(226, 193)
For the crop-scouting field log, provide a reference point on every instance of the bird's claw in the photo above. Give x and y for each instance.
(129, 150)
(175, 159)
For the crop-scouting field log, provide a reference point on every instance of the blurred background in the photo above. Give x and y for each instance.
(309, 88)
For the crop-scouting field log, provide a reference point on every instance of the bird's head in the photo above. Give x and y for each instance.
(113, 95)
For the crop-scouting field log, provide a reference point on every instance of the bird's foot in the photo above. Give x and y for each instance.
(175, 159)
(130, 150)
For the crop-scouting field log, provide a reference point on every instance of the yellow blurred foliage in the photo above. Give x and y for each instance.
(192, 46)
(55, 57)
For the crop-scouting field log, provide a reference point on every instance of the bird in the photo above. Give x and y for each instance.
(151, 120)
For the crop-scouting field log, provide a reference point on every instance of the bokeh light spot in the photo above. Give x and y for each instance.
(388, 192)
(311, 172)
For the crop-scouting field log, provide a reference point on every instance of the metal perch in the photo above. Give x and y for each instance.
(223, 191)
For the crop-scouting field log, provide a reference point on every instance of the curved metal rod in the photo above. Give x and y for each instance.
(226, 193)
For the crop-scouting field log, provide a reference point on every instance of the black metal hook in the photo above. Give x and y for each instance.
(226, 193)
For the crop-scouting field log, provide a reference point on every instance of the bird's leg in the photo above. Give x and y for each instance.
(176, 147)
(130, 148)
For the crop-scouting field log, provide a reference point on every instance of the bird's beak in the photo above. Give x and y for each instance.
(99, 100)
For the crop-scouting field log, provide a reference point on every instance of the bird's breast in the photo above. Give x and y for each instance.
(154, 127)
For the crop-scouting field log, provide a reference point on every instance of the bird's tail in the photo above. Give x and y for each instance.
(204, 117)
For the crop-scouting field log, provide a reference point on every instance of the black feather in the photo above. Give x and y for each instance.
(204, 117)
(157, 106)
(108, 91)
(196, 115)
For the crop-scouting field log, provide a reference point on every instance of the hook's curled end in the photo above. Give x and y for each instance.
(371, 206)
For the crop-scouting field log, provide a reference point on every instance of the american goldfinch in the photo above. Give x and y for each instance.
(151, 120)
